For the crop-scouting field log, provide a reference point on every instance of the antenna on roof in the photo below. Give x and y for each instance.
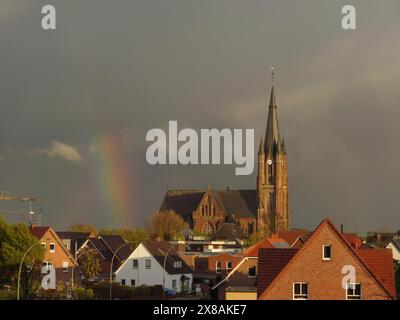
(272, 75)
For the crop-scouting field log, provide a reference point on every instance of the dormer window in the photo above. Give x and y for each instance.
(177, 264)
(326, 252)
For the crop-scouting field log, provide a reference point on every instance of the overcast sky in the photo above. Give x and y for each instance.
(76, 103)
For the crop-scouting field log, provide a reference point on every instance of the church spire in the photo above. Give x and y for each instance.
(283, 146)
(261, 147)
(272, 139)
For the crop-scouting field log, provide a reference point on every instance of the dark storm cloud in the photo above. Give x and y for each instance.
(121, 68)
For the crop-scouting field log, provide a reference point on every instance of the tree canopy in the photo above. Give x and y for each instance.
(166, 225)
(15, 240)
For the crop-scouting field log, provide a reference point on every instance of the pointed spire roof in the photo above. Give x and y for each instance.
(260, 204)
(261, 147)
(272, 138)
(283, 146)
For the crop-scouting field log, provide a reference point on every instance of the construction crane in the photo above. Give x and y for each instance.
(5, 195)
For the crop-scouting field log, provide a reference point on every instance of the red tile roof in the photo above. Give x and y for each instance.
(378, 271)
(380, 261)
(270, 264)
(39, 232)
(265, 243)
(292, 235)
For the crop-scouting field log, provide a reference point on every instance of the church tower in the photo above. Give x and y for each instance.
(272, 179)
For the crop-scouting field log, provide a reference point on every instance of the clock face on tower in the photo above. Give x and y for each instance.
(269, 161)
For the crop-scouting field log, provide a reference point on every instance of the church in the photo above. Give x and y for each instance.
(264, 210)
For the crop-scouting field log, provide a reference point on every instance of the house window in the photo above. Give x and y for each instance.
(133, 282)
(300, 291)
(326, 252)
(52, 247)
(174, 284)
(177, 264)
(228, 265)
(135, 263)
(43, 244)
(65, 266)
(148, 264)
(252, 272)
(122, 282)
(353, 291)
(218, 266)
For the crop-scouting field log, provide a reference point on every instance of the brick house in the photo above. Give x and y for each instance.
(316, 270)
(241, 282)
(217, 265)
(57, 255)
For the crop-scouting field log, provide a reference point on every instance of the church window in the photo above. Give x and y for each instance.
(207, 229)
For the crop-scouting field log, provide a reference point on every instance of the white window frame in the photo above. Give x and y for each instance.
(133, 265)
(323, 252)
(43, 244)
(174, 287)
(177, 264)
(134, 284)
(300, 295)
(228, 268)
(52, 250)
(147, 264)
(123, 282)
(65, 269)
(218, 270)
(353, 296)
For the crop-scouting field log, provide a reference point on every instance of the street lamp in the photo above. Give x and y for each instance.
(112, 262)
(165, 262)
(20, 266)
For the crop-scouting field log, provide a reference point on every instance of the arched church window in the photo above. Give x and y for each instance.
(207, 230)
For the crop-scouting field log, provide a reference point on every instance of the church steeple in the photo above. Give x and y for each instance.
(272, 139)
(272, 180)
(261, 147)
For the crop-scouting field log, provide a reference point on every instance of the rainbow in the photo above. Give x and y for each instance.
(114, 180)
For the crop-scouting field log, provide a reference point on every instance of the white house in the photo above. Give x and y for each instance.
(145, 266)
(395, 246)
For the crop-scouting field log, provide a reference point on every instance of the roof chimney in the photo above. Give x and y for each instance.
(341, 228)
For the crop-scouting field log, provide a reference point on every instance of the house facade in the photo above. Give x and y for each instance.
(145, 266)
(326, 267)
(57, 255)
(240, 283)
(106, 247)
